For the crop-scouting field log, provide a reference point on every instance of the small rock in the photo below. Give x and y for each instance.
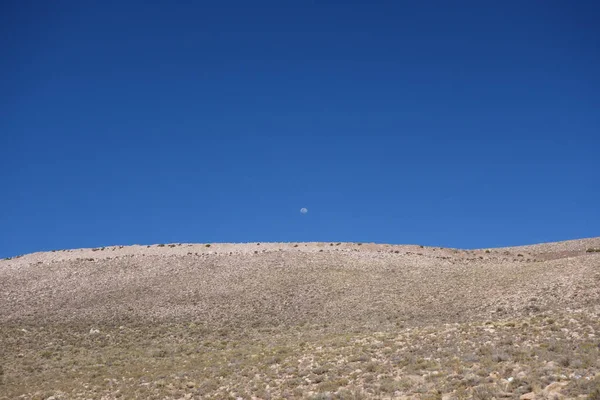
(553, 389)
(191, 385)
(550, 365)
(527, 396)
(94, 331)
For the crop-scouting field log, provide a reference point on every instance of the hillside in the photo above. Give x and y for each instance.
(301, 320)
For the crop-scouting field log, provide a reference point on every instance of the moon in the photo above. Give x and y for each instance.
(304, 210)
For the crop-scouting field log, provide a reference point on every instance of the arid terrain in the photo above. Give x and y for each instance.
(302, 320)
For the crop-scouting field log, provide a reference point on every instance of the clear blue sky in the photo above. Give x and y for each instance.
(466, 124)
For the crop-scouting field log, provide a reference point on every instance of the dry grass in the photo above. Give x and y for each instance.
(348, 322)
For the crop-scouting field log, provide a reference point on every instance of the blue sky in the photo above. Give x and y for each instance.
(463, 124)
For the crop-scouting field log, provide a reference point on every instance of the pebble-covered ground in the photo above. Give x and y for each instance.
(302, 320)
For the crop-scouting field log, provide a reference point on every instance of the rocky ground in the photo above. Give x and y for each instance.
(302, 320)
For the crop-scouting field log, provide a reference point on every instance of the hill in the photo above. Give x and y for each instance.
(300, 320)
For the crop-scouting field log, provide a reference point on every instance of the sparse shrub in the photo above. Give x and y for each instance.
(435, 395)
(371, 367)
(388, 385)
(46, 354)
(161, 245)
(593, 250)
(159, 353)
(207, 245)
(487, 252)
(554, 347)
(345, 394)
(359, 358)
(171, 245)
(484, 393)
(320, 370)
(208, 386)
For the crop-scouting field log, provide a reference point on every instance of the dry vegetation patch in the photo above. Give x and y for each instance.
(502, 359)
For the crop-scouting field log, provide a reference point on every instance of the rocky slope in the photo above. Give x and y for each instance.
(56, 307)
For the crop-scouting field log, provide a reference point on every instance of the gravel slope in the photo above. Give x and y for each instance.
(302, 320)
(296, 283)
